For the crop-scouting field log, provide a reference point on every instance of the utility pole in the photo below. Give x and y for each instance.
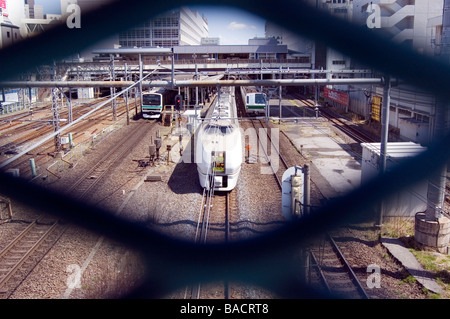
(126, 96)
(384, 138)
(279, 96)
(141, 71)
(436, 183)
(113, 90)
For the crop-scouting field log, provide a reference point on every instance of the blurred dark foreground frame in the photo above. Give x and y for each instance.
(266, 261)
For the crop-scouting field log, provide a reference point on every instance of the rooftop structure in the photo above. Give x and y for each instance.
(9, 31)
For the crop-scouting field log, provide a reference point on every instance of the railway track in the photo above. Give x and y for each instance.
(42, 152)
(213, 226)
(30, 130)
(35, 131)
(24, 253)
(355, 133)
(351, 130)
(332, 271)
(81, 188)
(272, 160)
(335, 274)
(273, 143)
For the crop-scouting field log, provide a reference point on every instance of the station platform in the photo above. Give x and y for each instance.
(337, 167)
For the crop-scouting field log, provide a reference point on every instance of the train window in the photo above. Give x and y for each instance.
(260, 98)
(151, 99)
(214, 129)
(226, 129)
(211, 129)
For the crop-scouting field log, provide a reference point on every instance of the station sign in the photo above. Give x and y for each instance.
(3, 9)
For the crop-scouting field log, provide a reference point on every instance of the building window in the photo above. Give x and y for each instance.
(338, 62)
(340, 10)
(404, 112)
(422, 118)
(8, 34)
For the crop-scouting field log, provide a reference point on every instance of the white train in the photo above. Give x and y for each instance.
(219, 143)
(254, 101)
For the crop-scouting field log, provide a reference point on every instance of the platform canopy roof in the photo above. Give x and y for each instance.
(132, 51)
(211, 49)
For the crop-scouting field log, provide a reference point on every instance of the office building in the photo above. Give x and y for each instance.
(177, 27)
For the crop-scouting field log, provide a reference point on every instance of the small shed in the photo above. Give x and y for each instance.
(409, 201)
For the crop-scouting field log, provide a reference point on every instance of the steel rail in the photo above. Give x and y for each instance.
(201, 232)
(266, 151)
(15, 240)
(344, 127)
(108, 160)
(48, 137)
(227, 236)
(355, 279)
(320, 272)
(16, 266)
(357, 135)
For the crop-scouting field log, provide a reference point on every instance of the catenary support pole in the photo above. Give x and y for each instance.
(126, 96)
(384, 138)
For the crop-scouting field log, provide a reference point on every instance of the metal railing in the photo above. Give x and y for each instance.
(265, 261)
(264, 62)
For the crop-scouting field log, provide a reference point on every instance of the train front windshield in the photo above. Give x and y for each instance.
(260, 98)
(216, 129)
(151, 99)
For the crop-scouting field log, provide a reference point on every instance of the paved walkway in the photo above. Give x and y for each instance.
(409, 261)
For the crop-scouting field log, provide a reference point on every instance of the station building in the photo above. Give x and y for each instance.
(257, 54)
(175, 28)
(256, 49)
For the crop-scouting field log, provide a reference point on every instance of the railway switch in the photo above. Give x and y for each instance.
(158, 144)
(152, 152)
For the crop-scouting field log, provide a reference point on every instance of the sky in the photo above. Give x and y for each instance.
(50, 6)
(232, 26)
